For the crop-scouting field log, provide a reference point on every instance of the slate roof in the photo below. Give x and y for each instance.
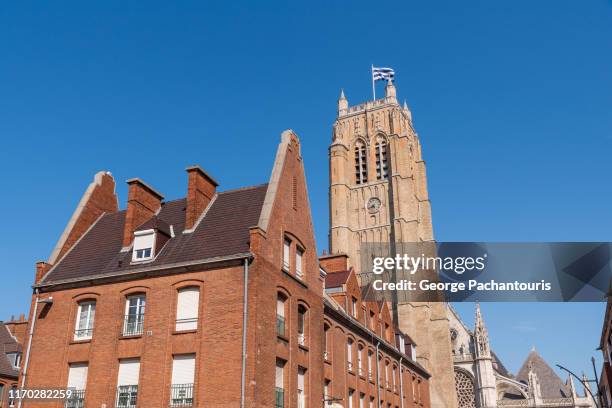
(499, 366)
(550, 384)
(336, 279)
(8, 344)
(223, 231)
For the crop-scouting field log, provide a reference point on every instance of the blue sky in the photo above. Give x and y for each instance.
(511, 100)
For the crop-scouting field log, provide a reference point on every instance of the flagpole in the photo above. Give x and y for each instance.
(373, 87)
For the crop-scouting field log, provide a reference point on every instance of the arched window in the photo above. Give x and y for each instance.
(187, 306)
(302, 325)
(382, 163)
(326, 341)
(86, 312)
(349, 354)
(464, 387)
(361, 163)
(281, 306)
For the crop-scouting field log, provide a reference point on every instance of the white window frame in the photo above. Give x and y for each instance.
(299, 258)
(286, 254)
(140, 311)
(86, 332)
(144, 241)
(349, 354)
(301, 392)
(187, 319)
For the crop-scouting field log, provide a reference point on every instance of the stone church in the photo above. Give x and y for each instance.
(481, 380)
(378, 195)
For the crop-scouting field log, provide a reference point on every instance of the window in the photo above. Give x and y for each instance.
(354, 306)
(286, 254)
(1, 394)
(183, 377)
(77, 382)
(370, 364)
(382, 164)
(280, 383)
(361, 400)
(187, 306)
(372, 320)
(280, 314)
(301, 388)
(387, 374)
(144, 245)
(326, 394)
(134, 315)
(361, 165)
(349, 354)
(351, 395)
(127, 383)
(371, 402)
(325, 341)
(15, 359)
(86, 314)
(359, 360)
(299, 253)
(302, 322)
(393, 377)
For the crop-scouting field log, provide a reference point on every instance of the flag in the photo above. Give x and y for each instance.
(379, 73)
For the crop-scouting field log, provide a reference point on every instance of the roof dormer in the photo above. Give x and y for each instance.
(149, 239)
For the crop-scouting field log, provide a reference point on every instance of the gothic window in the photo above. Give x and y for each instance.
(361, 165)
(382, 163)
(464, 387)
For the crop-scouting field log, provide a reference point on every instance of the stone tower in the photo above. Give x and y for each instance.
(487, 392)
(378, 194)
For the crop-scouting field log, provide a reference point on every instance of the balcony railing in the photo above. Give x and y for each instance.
(280, 325)
(127, 396)
(133, 325)
(280, 398)
(76, 400)
(181, 395)
(80, 334)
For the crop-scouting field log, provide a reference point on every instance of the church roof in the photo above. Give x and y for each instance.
(499, 366)
(550, 384)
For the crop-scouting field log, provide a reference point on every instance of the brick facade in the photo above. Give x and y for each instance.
(224, 375)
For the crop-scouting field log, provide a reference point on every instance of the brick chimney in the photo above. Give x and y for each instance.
(42, 268)
(98, 199)
(334, 263)
(143, 203)
(201, 189)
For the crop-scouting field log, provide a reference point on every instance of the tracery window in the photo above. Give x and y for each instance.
(361, 165)
(464, 387)
(382, 163)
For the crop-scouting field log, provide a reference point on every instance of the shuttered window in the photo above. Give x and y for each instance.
(286, 252)
(129, 371)
(183, 369)
(77, 376)
(299, 253)
(280, 373)
(187, 309)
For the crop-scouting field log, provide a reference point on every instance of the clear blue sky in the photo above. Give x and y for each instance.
(512, 101)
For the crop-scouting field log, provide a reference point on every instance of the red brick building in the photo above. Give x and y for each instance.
(212, 300)
(605, 382)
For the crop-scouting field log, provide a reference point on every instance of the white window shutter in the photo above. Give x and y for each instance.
(129, 371)
(300, 382)
(183, 369)
(77, 376)
(280, 368)
(298, 262)
(286, 248)
(187, 309)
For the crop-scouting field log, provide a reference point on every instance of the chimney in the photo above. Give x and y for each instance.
(42, 268)
(334, 263)
(201, 189)
(143, 203)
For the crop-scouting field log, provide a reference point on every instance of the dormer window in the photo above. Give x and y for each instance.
(144, 245)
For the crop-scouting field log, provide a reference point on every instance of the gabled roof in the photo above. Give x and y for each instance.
(223, 231)
(8, 344)
(550, 384)
(336, 279)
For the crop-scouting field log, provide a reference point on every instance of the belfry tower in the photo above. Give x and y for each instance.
(378, 194)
